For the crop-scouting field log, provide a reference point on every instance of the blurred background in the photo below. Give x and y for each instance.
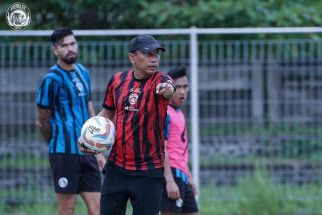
(259, 96)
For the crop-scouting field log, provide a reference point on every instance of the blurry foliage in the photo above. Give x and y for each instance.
(120, 14)
(259, 196)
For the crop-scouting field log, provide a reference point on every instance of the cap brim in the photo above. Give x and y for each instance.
(151, 47)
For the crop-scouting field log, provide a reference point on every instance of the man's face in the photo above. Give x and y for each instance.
(145, 63)
(66, 49)
(181, 93)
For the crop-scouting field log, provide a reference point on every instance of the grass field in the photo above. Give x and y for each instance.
(251, 196)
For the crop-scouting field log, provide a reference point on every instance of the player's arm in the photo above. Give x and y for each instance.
(192, 182)
(90, 108)
(167, 89)
(107, 114)
(91, 113)
(43, 122)
(46, 97)
(171, 186)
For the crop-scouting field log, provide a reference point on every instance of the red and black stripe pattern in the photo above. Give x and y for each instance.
(139, 119)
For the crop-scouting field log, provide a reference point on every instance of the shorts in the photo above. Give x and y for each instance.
(75, 173)
(189, 204)
(142, 188)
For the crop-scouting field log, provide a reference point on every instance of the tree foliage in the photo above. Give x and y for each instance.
(121, 14)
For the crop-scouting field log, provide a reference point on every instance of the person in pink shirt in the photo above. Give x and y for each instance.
(179, 188)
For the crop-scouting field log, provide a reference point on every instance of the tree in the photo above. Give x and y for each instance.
(120, 14)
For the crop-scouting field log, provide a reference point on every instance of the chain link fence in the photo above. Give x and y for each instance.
(259, 110)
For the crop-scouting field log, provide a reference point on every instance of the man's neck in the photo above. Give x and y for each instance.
(65, 66)
(140, 75)
(174, 106)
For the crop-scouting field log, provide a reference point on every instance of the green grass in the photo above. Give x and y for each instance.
(255, 195)
(31, 162)
(44, 209)
(21, 161)
(254, 129)
(252, 160)
(251, 196)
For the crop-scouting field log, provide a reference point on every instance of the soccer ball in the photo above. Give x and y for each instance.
(98, 133)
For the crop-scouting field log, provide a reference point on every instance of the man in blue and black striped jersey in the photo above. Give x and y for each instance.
(63, 105)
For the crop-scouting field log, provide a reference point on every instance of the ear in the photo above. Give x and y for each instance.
(54, 50)
(131, 57)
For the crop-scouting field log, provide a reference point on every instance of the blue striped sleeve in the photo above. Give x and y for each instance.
(47, 92)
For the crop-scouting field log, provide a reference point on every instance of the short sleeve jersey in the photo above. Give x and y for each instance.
(139, 119)
(177, 139)
(67, 93)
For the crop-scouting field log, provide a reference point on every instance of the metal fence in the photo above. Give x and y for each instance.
(259, 109)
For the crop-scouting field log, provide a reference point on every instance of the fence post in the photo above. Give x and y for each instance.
(194, 105)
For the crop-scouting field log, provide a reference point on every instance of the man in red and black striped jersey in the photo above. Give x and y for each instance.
(137, 102)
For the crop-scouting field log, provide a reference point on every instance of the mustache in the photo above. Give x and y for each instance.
(69, 53)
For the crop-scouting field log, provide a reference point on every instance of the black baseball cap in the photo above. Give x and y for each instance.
(144, 43)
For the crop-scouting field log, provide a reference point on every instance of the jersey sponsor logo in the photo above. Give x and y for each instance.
(130, 108)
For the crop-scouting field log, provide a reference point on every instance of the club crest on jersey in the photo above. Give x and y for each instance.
(79, 87)
(133, 98)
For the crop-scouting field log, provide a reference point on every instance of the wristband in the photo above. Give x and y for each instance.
(174, 87)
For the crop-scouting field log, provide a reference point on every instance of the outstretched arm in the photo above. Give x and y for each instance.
(166, 89)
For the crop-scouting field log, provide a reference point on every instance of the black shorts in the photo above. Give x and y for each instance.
(142, 188)
(189, 204)
(75, 173)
